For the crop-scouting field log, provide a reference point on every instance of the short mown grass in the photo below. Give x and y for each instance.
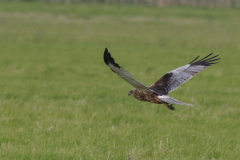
(58, 100)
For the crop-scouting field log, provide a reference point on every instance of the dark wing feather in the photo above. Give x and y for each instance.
(122, 73)
(173, 79)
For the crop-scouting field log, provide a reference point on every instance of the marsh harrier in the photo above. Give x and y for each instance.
(158, 92)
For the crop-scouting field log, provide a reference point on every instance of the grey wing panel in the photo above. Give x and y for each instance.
(170, 81)
(173, 79)
(182, 75)
(123, 73)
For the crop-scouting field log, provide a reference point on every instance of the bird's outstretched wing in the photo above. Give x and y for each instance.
(173, 79)
(123, 73)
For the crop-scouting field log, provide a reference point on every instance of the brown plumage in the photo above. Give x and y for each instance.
(158, 92)
(148, 97)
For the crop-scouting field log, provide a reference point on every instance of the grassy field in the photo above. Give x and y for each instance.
(58, 100)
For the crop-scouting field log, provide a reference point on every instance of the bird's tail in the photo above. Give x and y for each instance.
(170, 100)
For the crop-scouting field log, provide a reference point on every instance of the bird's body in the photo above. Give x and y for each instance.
(158, 92)
(145, 96)
(148, 97)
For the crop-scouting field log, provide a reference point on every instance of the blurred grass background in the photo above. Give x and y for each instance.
(58, 100)
(159, 3)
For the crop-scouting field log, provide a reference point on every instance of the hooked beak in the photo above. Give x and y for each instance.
(129, 94)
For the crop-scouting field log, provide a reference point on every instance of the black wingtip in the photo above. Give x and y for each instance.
(206, 57)
(194, 59)
(206, 61)
(105, 56)
(108, 59)
(106, 50)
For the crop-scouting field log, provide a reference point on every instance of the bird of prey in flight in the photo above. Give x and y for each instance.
(158, 92)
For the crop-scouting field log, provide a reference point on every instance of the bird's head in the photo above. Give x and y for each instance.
(131, 92)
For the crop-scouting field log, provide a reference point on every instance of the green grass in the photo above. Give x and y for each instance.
(58, 100)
